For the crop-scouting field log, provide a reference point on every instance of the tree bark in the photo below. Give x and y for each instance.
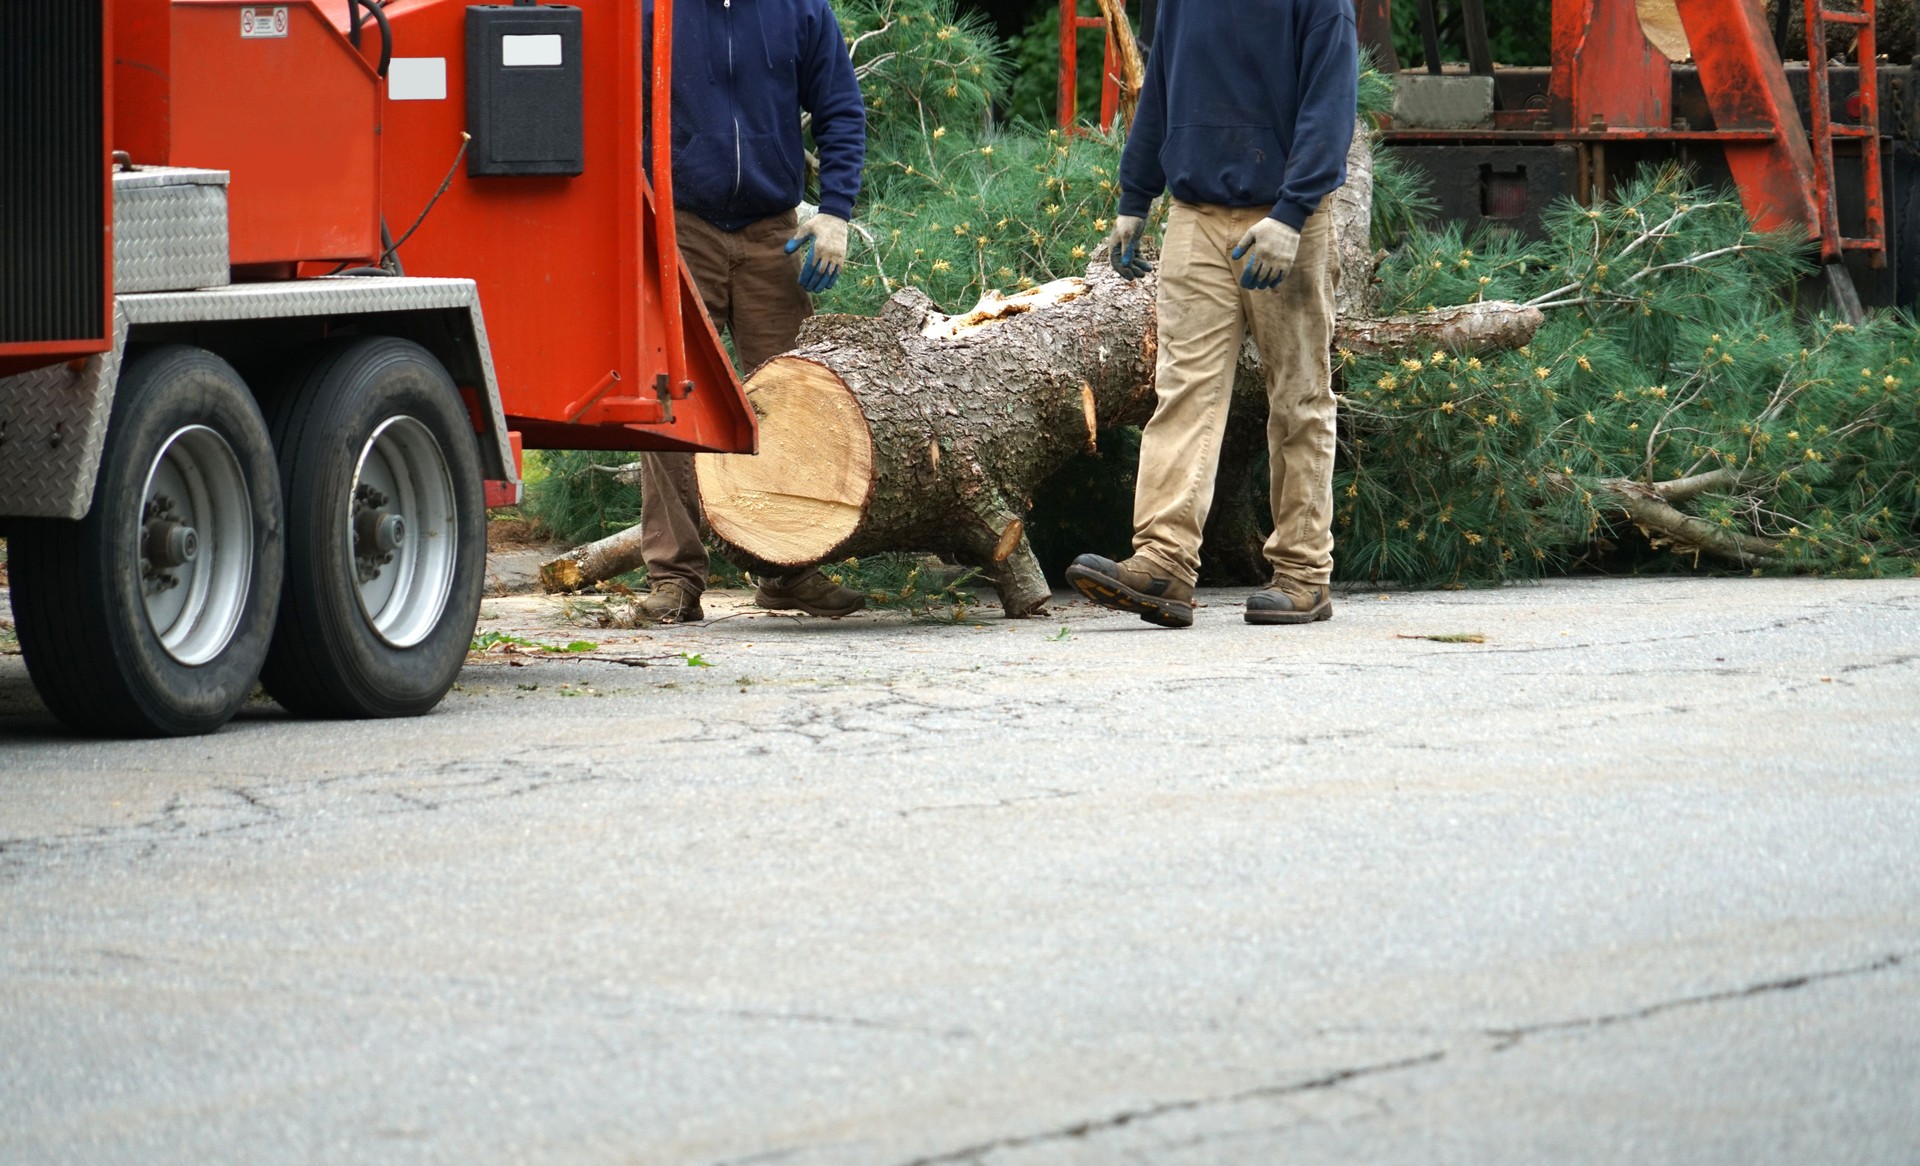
(1352, 213)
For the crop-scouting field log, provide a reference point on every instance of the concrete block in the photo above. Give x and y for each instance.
(1429, 102)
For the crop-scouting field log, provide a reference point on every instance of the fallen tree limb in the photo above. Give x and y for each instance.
(1653, 508)
(1483, 327)
(595, 562)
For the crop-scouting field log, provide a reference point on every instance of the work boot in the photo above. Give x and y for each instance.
(1287, 600)
(670, 601)
(809, 591)
(1135, 585)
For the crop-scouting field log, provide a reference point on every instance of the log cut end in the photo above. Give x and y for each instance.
(562, 575)
(806, 492)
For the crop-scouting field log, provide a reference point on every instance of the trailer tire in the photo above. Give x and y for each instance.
(151, 616)
(386, 531)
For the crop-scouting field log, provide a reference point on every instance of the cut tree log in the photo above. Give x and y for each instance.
(913, 430)
(918, 431)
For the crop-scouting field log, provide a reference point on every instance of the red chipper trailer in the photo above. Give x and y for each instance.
(284, 288)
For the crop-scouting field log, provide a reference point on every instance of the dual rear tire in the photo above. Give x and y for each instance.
(151, 615)
(386, 532)
(332, 547)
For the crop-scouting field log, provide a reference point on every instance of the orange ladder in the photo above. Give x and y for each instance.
(1865, 131)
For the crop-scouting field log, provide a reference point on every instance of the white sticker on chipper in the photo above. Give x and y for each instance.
(417, 79)
(518, 52)
(258, 22)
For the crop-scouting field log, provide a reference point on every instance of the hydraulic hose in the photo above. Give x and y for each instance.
(379, 14)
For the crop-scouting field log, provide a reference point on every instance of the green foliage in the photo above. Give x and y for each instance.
(577, 502)
(1402, 198)
(1668, 352)
(951, 206)
(917, 584)
(923, 65)
(1007, 212)
(1376, 89)
(507, 642)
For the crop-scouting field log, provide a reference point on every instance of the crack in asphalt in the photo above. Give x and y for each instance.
(1147, 1113)
(1776, 625)
(824, 1019)
(1503, 1039)
(1506, 1038)
(1047, 795)
(1899, 661)
(216, 811)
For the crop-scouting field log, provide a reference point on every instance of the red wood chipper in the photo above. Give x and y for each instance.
(1825, 146)
(284, 288)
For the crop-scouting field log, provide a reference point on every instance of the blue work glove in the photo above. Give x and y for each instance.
(1274, 247)
(1123, 247)
(826, 240)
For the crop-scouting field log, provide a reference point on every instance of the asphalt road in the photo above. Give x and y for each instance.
(1636, 879)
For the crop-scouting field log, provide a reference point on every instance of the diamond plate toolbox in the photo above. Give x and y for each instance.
(169, 229)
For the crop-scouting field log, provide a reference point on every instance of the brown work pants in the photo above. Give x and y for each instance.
(1204, 315)
(751, 288)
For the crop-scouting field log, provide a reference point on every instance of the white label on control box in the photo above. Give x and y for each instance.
(417, 79)
(518, 52)
(259, 22)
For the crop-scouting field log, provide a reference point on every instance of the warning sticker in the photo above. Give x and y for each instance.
(258, 22)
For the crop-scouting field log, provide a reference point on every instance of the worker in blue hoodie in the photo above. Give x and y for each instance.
(744, 73)
(1245, 117)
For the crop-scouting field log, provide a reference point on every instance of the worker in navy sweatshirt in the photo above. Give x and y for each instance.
(1245, 117)
(744, 72)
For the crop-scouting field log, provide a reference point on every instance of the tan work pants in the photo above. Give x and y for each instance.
(751, 288)
(1203, 315)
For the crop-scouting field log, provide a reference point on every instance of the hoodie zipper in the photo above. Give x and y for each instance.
(739, 167)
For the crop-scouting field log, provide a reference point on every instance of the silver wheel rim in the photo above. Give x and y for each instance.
(402, 531)
(195, 537)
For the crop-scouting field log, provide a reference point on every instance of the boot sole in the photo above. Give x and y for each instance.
(809, 609)
(1110, 592)
(694, 616)
(1311, 615)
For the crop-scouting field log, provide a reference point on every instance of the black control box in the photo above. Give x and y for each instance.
(525, 105)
